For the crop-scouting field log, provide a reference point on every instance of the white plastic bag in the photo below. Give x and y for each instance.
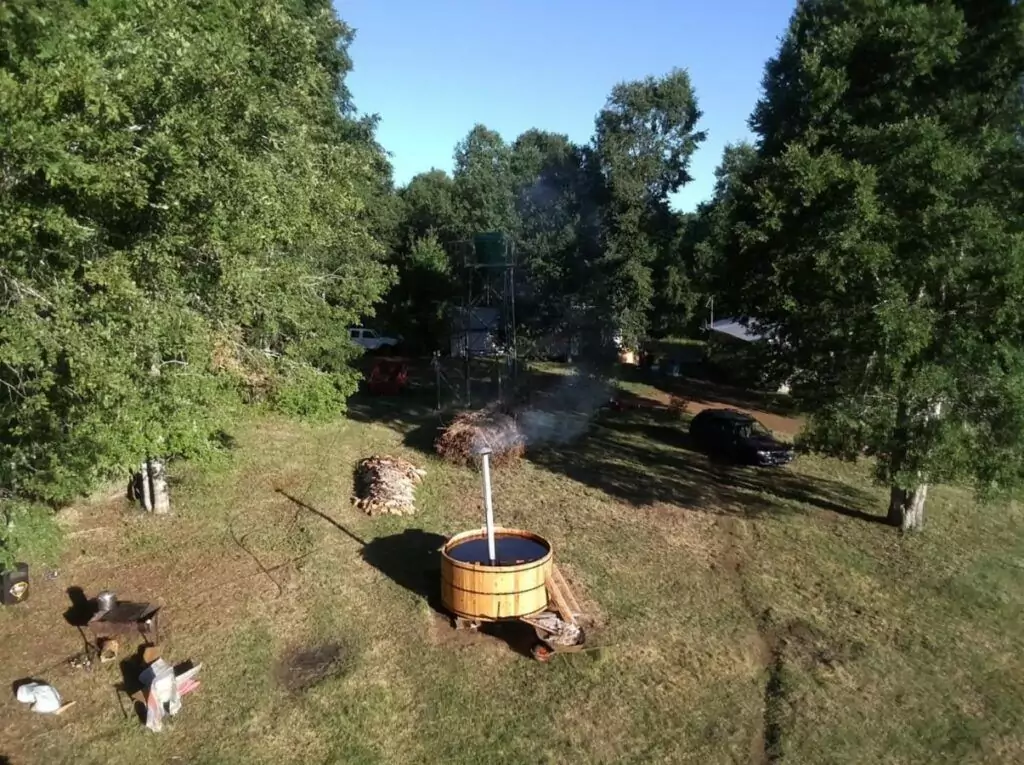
(162, 693)
(43, 698)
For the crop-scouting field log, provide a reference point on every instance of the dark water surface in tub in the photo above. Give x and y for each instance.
(508, 549)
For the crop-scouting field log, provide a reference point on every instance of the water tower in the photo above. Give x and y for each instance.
(487, 317)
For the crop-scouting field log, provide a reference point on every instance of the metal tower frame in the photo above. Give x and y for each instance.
(488, 274)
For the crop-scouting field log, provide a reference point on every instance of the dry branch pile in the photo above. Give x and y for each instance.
(470, 432)
(559, 631)
(386, 485)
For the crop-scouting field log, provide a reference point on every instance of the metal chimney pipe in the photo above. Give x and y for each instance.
(489, 510)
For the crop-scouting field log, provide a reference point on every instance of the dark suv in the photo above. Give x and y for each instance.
(739, 437)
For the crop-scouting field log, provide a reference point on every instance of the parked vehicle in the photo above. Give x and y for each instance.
(370, 339)
(739, 437)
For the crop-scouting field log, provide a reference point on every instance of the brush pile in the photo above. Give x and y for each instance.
(386, 486)
(470, 432)
(559, 632)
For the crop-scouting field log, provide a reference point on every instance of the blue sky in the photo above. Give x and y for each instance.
(432, 69)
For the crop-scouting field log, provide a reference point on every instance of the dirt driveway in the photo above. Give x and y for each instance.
(769, 409)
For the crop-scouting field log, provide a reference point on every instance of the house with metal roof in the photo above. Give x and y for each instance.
(736, 334)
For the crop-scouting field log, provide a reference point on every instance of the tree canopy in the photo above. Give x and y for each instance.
(483, 182)
(644, 139)
(590, 223)
(878, 235)
(193, 211)
(184, 191)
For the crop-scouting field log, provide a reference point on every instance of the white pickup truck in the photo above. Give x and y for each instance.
(370, 339)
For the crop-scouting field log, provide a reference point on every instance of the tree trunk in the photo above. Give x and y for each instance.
(906, 507)
(145, 494)
(158, 479)
(150, 487)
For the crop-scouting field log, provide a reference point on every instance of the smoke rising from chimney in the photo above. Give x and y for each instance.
(561, 417)
(566, 410)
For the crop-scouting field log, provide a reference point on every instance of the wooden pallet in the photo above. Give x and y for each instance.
(562, 604)
(562, 596)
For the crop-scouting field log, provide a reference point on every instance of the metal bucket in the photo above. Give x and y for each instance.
(106, 600)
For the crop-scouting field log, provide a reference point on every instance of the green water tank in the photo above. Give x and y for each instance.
(490, 248)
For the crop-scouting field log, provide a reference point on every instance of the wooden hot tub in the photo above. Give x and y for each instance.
(473, 588)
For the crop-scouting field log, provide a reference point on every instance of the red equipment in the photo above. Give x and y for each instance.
(388, 377)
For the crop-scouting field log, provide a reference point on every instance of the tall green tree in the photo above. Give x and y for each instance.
(485, 200)
(547, 185)
(422, 255)
(880, 235)
(184, 226)
(677, 291)
(714, 221)
(418, 304)
(644, 139)
(429, 205)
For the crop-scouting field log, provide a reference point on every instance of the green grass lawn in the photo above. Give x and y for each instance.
(744, 616)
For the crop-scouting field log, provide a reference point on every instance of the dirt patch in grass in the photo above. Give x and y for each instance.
(303, 667)
(490, 639)
(444, 635)
(649, 397)
(787, 426)
(778, 645)
(766, 738)
(782, 648)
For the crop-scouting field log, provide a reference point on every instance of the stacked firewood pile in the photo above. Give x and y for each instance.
(471, 432)
(386, 485)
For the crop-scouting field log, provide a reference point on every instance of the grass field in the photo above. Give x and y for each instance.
(744, 616)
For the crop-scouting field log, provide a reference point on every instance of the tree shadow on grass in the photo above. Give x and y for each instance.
(644, 461)
(412, 560)
(410, 416)
(320, 514)
(399, 412)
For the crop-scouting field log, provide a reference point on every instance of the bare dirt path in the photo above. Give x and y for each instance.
(711, 397)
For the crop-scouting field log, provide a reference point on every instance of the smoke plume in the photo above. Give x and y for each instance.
(564, 413)
(560, 415)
